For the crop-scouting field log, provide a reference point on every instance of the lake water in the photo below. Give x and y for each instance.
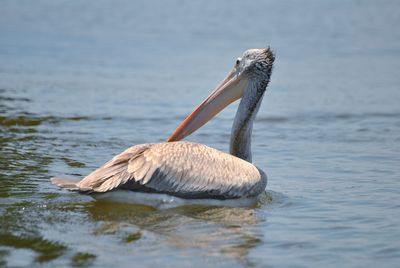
(80, 81)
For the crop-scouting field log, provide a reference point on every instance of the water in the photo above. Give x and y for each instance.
(82, 81)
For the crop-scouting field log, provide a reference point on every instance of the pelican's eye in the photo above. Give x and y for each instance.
(238, 61)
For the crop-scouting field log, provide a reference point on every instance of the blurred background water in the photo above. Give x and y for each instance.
(81, 81)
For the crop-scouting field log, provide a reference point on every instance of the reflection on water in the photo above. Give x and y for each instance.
(216, 230)
(47, 250)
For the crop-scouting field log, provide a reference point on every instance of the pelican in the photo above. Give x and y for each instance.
(183, 172)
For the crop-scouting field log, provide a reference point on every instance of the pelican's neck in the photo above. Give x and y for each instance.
(242, 128)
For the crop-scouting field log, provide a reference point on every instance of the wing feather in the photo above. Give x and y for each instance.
(179, 168)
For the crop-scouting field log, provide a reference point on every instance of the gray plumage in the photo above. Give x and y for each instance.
(183, 169)
(192, 170)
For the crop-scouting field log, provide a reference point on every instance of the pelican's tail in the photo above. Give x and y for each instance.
(68, 184)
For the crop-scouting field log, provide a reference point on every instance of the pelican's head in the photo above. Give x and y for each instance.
(254, 67)
(255, 64)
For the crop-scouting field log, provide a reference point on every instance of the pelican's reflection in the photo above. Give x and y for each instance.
(218, 231)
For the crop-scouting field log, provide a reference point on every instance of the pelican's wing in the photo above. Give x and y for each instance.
(178, 168)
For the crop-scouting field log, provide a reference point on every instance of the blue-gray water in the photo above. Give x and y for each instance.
(81, 81)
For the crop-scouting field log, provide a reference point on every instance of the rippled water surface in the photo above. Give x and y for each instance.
(82, 81)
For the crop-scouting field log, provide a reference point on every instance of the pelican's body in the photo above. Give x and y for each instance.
(186, 172)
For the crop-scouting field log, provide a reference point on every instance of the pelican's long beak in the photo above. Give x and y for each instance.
(228, 91)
